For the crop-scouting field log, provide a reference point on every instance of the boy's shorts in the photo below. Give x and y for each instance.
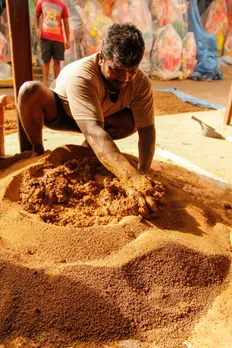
(63, 121)
(51, 49)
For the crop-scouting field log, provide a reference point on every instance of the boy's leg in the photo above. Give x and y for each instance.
(46, 50)
(56, 67)
(46, 66)
(58, 55)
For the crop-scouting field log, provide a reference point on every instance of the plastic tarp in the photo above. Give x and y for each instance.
(207, 67)
(188, 98)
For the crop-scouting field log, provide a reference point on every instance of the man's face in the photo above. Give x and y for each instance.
(117, 76)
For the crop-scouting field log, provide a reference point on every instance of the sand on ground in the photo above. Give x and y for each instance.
(129, 282)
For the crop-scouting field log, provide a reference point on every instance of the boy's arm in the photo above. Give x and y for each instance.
(38, 31)
(67, 32)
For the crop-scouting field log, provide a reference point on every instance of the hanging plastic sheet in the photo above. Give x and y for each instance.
(96, 22)
(3, 48)
(166, 54)
(227, 52)
(76, 32)
(173, 12)
(136, 12)
(207, 67)
(189, 54)
(215, 21)
(5, 69)
(227, 57)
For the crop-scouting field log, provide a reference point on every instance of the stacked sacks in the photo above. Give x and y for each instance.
(136, 12)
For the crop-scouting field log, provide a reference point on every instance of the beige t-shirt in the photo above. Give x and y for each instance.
(84, 95)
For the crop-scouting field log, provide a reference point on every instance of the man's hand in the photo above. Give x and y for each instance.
(149, 194)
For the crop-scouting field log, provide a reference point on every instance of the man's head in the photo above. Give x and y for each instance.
(122, 51)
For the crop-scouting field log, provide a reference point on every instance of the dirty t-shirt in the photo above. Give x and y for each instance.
(84, 95)
(53, 11)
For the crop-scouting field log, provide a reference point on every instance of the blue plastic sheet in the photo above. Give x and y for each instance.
(207, 68)
(188, 98)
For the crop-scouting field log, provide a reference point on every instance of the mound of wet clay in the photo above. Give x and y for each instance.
(80, 193)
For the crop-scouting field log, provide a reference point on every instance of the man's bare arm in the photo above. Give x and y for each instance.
(106, 150)
(147, 138)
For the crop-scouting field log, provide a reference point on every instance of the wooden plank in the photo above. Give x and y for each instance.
(20, 40)
(228, 114)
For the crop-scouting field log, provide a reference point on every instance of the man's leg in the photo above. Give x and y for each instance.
(120, 125)
(36, 104)
(56, 67)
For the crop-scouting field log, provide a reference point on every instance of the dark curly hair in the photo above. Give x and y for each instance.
(124, 44)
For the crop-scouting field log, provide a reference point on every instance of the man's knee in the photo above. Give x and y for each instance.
(28, 91)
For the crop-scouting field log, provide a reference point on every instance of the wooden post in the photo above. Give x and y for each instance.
(3, 102)
(20, 39)
(228, 114)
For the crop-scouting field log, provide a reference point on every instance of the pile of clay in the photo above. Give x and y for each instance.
(81, 193)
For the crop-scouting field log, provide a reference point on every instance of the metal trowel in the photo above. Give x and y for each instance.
(207, 130)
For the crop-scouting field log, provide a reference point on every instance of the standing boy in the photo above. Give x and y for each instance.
(54, 14)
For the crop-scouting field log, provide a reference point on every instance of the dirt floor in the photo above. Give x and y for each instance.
(165, 103)
(120, 281)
